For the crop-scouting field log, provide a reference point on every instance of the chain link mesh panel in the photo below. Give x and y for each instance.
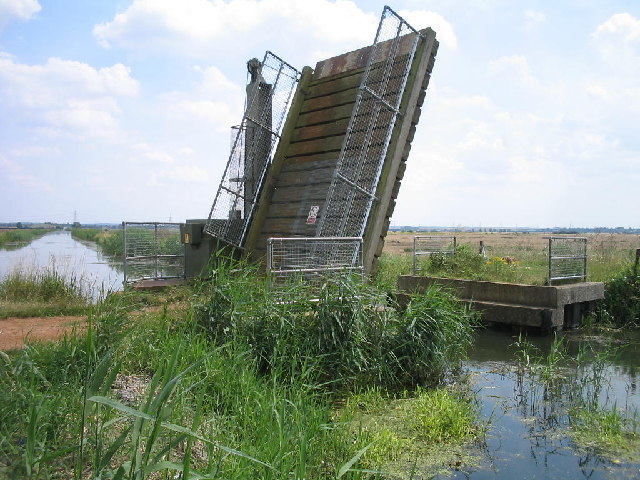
(352, 191)
(567, 258)
(312, 259)
(425, 245)
(252, 150)
(152, 250)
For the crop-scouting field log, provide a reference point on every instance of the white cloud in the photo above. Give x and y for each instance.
(14, 174)
(215, 102)
(17, 10)
(423, 18)
(533, 18)
(618, 39)
(514, 65)
(207, 28)
(66, 97)
(181, 174)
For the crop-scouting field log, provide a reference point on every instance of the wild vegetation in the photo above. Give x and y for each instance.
(514, 258)
(109, 241)
(223, 380)
(41, 293)
(20, 236)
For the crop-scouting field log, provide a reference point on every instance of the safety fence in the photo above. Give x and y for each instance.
(268, 98)
(426, 245)
(152, 250)
(312, 259)
(567, 259)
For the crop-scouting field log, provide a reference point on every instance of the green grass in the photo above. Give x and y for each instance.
(20, 236)
(109, 241)
(41, 293)
(427, 429)
(230, 382)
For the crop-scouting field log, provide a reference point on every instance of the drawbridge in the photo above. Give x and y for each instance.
(315, 166)
(321, 153)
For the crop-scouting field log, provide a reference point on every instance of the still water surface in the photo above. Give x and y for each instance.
(529, 432)
(70, 258)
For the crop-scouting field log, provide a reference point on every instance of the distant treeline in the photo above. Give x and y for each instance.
(110, 241)
(552, 230)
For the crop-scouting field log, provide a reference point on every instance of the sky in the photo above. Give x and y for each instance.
(122, 110)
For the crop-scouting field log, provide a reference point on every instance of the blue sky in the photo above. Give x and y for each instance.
(121, 110)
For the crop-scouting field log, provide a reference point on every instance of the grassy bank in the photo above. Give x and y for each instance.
(41, 293)
(110, 241)
(20, 236)
(225, 381)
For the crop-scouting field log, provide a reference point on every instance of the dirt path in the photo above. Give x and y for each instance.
(14, 330)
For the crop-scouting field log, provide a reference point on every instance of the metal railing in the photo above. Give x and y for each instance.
(268, 100)
(152, 250)
(353, 188)
(567, 259)
(425, 245)
(312, 259)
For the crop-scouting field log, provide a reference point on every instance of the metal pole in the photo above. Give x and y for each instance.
(124, 251)
(585, 260)
(549, 276)
(414, 255)
(155, 246)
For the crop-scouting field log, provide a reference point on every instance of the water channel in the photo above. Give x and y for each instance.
(528, 423)
(529, 433)
(69, 257)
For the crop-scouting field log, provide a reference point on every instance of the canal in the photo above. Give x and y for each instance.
(69, 257)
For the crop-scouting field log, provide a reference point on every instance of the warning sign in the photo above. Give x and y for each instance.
(313, 215)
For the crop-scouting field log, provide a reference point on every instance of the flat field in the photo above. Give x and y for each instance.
(527, 253)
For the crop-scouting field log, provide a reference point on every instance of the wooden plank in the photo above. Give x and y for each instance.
(336, 84)
(326, 115)
(288, 228)
(359, 58)
(301, 194)
(309, 162)
(336, 127)
(315, 146)
(305, 177)
(327, 101)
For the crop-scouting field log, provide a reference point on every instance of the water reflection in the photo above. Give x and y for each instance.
(71, 258)
(530, 413)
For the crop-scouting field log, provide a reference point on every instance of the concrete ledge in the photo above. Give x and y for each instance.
(546, 307)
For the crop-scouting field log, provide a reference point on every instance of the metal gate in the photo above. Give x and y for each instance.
(353, 188)
(152, 250)
(429, 244)
(312, 259)
(567, 259)
(268, 99)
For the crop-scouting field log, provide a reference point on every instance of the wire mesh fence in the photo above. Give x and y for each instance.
(152, 250)
(567, 259)
(353, 188)
(426, 245)
(268, 100)
(312, 259)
